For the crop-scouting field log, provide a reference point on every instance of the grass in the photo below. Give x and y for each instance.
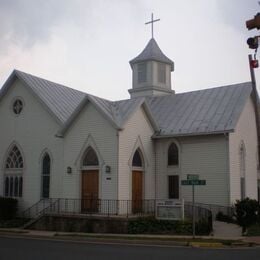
(253, 230)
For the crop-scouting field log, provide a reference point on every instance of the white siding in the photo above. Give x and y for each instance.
(137, 132)
(245, 131)
(203, 155)
(104, 136)
(34, 130)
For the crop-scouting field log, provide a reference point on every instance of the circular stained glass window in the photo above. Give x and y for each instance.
(17, 106)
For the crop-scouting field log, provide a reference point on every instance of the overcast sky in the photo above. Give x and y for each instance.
(87, 44)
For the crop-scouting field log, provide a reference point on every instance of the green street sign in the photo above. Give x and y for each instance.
(193, 182)
(192, 176)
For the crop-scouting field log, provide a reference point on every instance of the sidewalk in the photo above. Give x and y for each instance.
(208, 241)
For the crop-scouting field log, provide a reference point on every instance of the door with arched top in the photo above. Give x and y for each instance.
(90, 182)
(137, 183)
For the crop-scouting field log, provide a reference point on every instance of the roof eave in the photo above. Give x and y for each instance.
(160, 136)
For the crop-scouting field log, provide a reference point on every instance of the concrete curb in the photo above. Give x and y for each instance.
(163, 240)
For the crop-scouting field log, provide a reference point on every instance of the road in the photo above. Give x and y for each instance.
(14, 248)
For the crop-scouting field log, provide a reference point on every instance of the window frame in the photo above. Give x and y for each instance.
(13, 173)
(46, 175)
(161, 71)
(173, 164)
(142, 72)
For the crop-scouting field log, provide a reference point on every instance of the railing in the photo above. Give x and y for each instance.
(36, 209)
(124, 208)
(200, 214)
(229, 211)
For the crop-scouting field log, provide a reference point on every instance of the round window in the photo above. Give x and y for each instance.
(17, 106)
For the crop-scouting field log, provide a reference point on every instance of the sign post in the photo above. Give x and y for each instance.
(193, 179)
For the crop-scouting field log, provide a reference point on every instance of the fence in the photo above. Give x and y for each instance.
(215, 209)
(200, 214)
(124, 208)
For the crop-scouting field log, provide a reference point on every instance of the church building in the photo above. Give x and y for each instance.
(58, 142)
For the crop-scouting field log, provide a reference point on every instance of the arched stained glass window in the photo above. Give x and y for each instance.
(13, 170)
(46, 170)
(173, 155)
(15, 159)
(137, 159)
(90, 158)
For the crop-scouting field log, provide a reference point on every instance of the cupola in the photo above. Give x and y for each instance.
(151, 72)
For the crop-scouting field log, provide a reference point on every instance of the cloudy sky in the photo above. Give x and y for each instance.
(87, 44)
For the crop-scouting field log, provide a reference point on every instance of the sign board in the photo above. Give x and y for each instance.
(170, 209)
(192, 176)
(193, 182)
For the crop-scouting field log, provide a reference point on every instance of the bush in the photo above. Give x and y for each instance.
(247, 212)
(176, 227)
(253, 230)
(8, 208)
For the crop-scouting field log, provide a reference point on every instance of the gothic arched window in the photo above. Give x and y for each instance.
(46, 171)
(13, 186)
(15, 159)
(90, 158)
(137, 159)
(173, 155)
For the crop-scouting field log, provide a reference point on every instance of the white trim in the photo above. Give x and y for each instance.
(90, 142)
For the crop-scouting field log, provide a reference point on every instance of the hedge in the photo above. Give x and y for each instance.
(8, 208)
(151, 225)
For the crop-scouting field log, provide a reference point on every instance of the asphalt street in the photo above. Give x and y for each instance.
(12, 248)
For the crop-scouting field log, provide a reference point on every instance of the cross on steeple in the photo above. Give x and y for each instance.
(152, 21)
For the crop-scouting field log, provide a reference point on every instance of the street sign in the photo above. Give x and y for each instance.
(193, 182)
(192, 176)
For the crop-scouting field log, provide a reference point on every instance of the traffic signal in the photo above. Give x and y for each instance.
(253, 23)
(254, 64)
(253, 42)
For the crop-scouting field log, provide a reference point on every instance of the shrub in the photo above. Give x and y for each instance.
(8, 208)
(247, 212)
(254, 230)
(177, 227)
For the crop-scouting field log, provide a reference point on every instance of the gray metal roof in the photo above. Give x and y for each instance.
(199, 112)
(152, 52)
(61, 100)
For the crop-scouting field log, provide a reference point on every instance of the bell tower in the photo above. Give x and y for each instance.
(151, 71)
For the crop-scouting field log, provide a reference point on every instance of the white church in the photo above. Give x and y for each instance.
(58, 142)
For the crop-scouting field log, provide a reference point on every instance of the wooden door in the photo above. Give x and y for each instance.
(137, 191)
(89, 194)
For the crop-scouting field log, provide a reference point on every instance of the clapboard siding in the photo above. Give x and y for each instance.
(90, 124)
(34, 130)
(137, 132)
(245, 131)
(206, 156)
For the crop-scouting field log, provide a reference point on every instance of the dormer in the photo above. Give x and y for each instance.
(151, 72)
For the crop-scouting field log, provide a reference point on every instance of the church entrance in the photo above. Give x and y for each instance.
(137, 191)
(89, 191)
(90, 182)
(137, 182)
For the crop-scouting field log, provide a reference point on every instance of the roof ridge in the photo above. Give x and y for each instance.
(49, 81)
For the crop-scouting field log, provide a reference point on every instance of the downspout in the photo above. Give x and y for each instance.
(255, 99)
